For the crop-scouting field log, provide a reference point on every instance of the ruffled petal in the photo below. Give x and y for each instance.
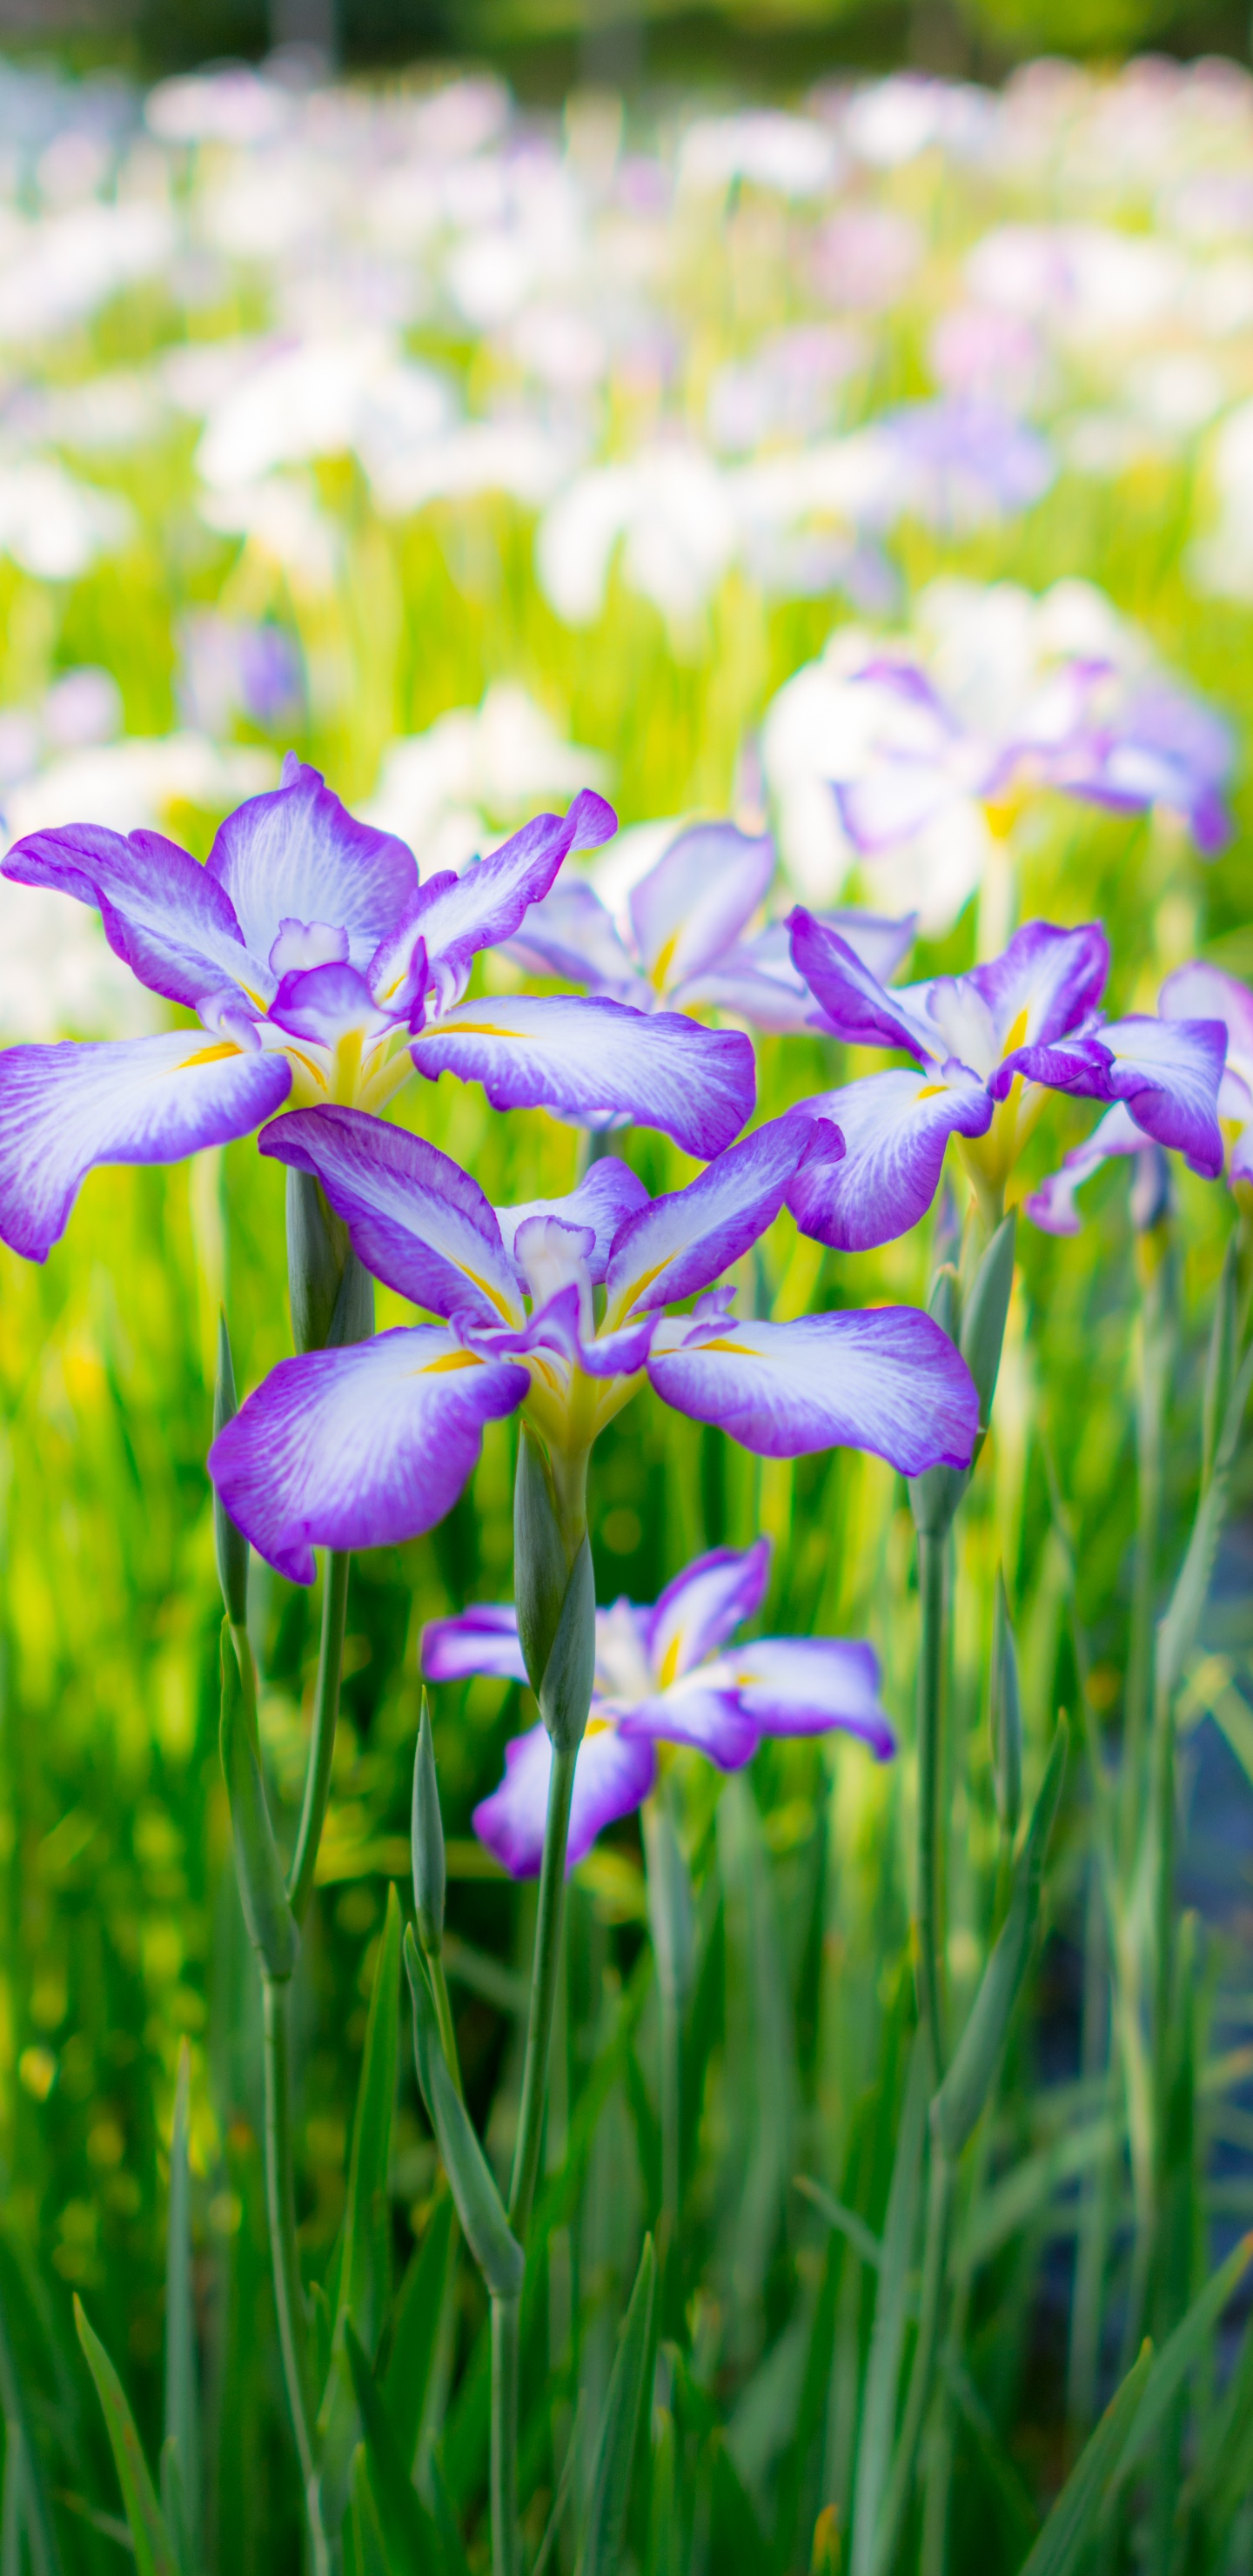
(609, 1193)
(1169, 1072)
(612, 1777)
(297, 854)
(416, 1219)
(698, 898)
(323, 1003)
(1045, 982)
(168, 918)
(807, 1685)
(686, 1239)
(704, 1606)
(889, 1381)
(482, 1640)
(140, 1100)
(359, 1447)
(1201, 992)
(759, 983)
(895, 1127)
(855, 1005)
(596, 1061)
(698, 1710)
(457, 915)
(571, 934)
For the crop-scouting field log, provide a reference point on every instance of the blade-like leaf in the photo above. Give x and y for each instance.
(369, 2547)
(363, 2284)
(874, 2449)
(262, 1888)
(965, 2089)
(1069, 2527)
(29, 2507)
(1178, 2354)
(411, 2537)
(1176, 1635)
(415, 2330)
(479, 2206)
(601, 2554)
(863, 2240)
(154, 2551)
(180, 2450)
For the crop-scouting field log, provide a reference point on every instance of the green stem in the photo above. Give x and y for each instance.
(934, 2260)
(443, 2014)
(506, 2559)
(280, 2199)
(671, 2110)
(322, 1742)
(543, 1990)
(931, 1573)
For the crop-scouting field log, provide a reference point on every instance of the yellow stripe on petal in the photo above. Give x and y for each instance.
(670, 1664)
(451, 1360)
(209, 1055)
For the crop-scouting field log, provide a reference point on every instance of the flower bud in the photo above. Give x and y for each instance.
(230, 1545)
(479, 2206)
(427, 1840)
(332, 1294)
(555, 1596)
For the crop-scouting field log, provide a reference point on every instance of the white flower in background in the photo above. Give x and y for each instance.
(449, 791)
(866, 257)
(520, 458)
(673, 511)
(232, 106)
(53, 525)
(890, 122)
(131, 785)
(792, 155)
(283, 523)
(1219, 562)
(56, 272)
(322, 398)
(115, 412)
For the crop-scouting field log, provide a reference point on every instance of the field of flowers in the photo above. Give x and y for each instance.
(857, 498)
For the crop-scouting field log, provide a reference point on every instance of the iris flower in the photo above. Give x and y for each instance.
(558, 1307)
(1203, 991)
(666, 1675)
(321, 970)
(987, 1045)
(686, 946)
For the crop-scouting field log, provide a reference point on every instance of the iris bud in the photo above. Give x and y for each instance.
(555, 1595)
(332, 1294)
(479, 2206)
(427, 1840)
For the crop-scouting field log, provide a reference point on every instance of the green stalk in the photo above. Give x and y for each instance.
(506, 2554)
(543, 1989)
(322, 1741)
(671, 2110)
(280, 2200)
(930, 1963)
(934, 2261)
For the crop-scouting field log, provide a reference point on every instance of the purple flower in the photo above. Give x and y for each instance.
(666, 1675)
(987, 1045)
(367, 1445)
(685, 945)
(1194, 997)
(320, 969)
(964, 461)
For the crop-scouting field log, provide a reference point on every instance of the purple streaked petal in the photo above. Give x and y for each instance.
(416, 1219)
(458, 915)
(854, 1004)
(1169, 1072)
(596, 1061)
(482, 1640)
(896, 799)
(612, 1777)
(1052, 1206)
(889, 1381)
(297, 854)
(704, 1606)
(166, 917)
(686, 1239)
(1200, 992)
(759, 982)
(141, 1100)
(609, 1194)
(697, 899)
(696, 1711)
(1045, 983)
(895, 1127)
(323, 1003)
(571, 934)
(807, 1685)
(360, 1447)
(301, 945)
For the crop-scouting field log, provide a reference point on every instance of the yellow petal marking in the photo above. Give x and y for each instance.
(662, 962)
(932, 1090)
(451, 1360)
(670, 1664)
(209, 1055)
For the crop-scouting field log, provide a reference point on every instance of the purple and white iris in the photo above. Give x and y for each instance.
(686, 944)
(558, 1306)
(987, 1045)
(320, 969)
(669, 1675)
(1193, 993)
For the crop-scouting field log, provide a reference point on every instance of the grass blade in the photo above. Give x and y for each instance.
(1178, 2354)
(180, 2450)
(415, 2332)
(154, 2552)
(878, 2421)
(601, 2554)
(410, 2536)
(1070, 2525)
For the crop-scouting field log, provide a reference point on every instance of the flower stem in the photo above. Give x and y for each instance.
(671, 2112)
(930, 1971)
(280, 2199)
(506, 2560)
(322, 1742)
(934, 2264)
(543, 1989)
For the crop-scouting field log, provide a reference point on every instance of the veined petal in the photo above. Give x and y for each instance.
(609, 1193)
(359, 1447)
(416, 1219)
(595, 1061)
(482, 1640)
(704, 1606)
(297, 854)
(570, 933)
(1052, 1206)
(889, 1381)
(458, 915)
(686, 1239)
(895, 1128)
(895, 799)
(1044, 983)
(168, 918)
(760, 984)
(1169, 1072)
(855, 1005)
(1200, 992)
(612, 1776)
(324, 1002)
(806, 1685)
(699, 1709)
(140, 1100)
(698, 898)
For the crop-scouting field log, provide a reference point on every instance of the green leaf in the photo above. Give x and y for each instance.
(965, 2089)
(863, 2240)
(1005, 1715)
(332, 1295)
(29, 2506)
(230, 1545)
(878, 2420)
(565, 1695)
(1220, 1362)
(1070, 2525)
(410, 2536)
(415, 2328)
(541, 1567)
(262, 1888)
(154, 2551)
(427, 1838)
(614, 2459)
(479, 2206)
(671, 1919)
(736, 2543)
(983, 1316)
(1178, 2354)
(369, 2546)
(364, 2283)
(180, 2450)
(1176, 1634)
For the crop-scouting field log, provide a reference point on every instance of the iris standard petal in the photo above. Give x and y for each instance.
(297, 854)
(166, 916)
(594, 1061)
(458, 915)
(807, 1685)
(704, 1606)
(1200, 992)
(609, 1193)
(482, 1640)
(1045, 982)
(759, 983)
(322, 1003)
(612, 1776)
(1169, 1072)
(571, 934)
(416, 1219)
(702, 1710)
(889, 1381)
(138, 1100)
(682, 1241)
(360, 1447)
(856, 1006)
(895, 1127)
(698, 898)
